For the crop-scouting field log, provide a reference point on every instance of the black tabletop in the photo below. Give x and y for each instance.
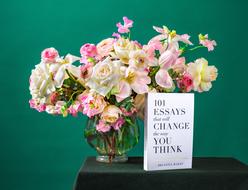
(207, 173)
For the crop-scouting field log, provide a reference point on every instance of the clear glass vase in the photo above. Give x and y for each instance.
(113, 145)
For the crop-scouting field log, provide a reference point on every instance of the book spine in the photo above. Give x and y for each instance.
(146, 132)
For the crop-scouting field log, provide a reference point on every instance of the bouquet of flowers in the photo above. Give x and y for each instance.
(109, 84)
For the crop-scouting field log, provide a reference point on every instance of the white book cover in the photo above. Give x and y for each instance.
(168, 141)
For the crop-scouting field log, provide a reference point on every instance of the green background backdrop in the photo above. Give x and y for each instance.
(40, 151)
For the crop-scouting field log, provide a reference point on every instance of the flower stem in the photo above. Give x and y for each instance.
(154, 71)
(74, 94)
(73, 78)
(129, 35)
(194, 48)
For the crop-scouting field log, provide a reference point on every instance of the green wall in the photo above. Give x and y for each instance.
(40, 151)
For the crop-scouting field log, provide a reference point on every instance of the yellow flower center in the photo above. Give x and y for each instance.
(201, 37)
(131, 76)
(173, 33)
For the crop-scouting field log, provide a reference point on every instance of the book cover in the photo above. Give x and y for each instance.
(168, 140)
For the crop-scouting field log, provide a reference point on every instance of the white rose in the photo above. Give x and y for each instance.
(46, 77)
(41, 82)
(105, 76)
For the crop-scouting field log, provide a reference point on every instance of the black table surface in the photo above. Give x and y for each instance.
(207, 174)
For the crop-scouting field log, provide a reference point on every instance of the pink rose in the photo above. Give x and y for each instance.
(92, 104)
(86, 70)
(88, 50)
(118, 124)
(102, 127)
(105, 47)
(186, 83)
(49, 55)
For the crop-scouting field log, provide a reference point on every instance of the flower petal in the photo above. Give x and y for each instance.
(163, 79)
(168, 58)
(139, 85)
(125, 91)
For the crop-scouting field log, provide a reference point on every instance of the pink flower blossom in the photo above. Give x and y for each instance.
(58, 107)
(92, 104)
(39, 107)
(86, 70)
(164, 31)
(128, 113)
(88, 50)
(32, 103)
(156, 44)
(179, 65)
(206, 42)
(118, 124)
(172, 36)
(74, 108)
(49, 55)
(166, 61)
(136, 80)
(186, 83)
(124, 28)
(163, 79)
(117, 35)
(102, 126)
(53, 97)
(168, 58)
(124, 91)
(185, 38)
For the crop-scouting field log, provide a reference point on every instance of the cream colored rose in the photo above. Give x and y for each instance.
(202, 74)
(110, 114)
(122, 48)
(105, 76)
(105, 47)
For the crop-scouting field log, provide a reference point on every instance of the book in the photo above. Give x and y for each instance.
(168, 133)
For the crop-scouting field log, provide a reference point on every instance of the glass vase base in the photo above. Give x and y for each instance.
(116, 159)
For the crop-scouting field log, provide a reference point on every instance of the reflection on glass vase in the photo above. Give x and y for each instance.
(113, 145)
